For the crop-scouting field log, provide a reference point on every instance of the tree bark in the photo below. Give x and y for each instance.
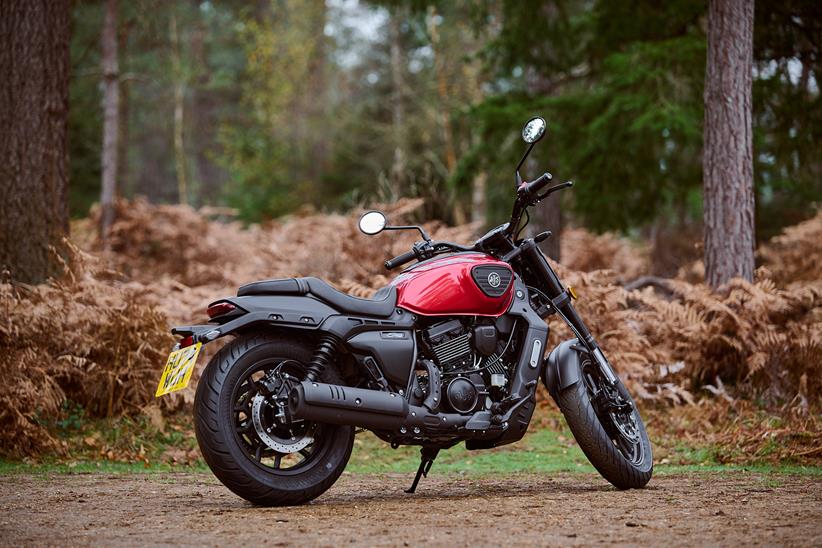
(547, 215)
(111, 118)
(34, 94)
(397, 105)
(728, 155)
(179, 107)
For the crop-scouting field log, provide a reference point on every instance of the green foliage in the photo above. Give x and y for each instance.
(85, 112)
(268, 153)
(289, 103)
(624, 102)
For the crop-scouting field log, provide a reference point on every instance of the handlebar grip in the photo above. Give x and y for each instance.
(536, 185)
(400, 260)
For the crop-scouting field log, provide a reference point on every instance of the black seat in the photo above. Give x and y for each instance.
(382, 305)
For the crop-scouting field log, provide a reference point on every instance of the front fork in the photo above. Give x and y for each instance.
(561, 301)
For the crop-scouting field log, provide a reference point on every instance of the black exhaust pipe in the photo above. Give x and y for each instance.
(370, 409)
(334, 404)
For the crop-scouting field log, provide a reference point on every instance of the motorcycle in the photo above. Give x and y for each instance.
(450, 351)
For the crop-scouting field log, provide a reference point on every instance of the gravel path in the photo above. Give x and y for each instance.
(577, 509)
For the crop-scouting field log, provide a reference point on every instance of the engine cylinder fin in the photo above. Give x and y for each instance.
(494, 364)
(453, 352)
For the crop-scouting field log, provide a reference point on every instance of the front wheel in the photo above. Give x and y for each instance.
(608, 428)
(245, 434)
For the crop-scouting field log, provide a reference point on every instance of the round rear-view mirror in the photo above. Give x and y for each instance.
(534, 130)
(372, 222)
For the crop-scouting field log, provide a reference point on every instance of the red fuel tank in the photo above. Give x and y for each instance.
(466, 284)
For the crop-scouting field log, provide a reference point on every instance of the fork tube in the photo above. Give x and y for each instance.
(567, 310)
(555, 289)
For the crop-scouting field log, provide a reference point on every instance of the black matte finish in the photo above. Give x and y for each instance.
(375, 412)
(485, 339)
(524, 378)
(393, 349)
(562, 367)
(345, 397)
(324, 292)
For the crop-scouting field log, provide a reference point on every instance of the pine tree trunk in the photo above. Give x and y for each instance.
(34, 92)
(397, 178)
(179, 107)
(728, 154)
(546, 215)
(111, 118)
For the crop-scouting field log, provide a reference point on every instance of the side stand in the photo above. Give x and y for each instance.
(427, 456)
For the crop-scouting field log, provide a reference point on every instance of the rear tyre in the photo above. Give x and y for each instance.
(243, 436)
(615, 442)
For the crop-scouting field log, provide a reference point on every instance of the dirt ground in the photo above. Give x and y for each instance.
(570, 509)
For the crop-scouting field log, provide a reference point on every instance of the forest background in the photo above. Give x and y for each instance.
(265, 123)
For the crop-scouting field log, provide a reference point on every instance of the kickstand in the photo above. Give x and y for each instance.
(427, 456)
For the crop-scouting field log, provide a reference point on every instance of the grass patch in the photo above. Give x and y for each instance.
(538, 451)
(155, 444)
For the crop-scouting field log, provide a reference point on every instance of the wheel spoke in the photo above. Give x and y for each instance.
(270, 375)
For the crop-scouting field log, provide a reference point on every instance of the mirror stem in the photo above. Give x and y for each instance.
(527, 152)
(424, 234)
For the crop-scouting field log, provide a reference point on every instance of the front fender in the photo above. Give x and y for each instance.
(562, 367)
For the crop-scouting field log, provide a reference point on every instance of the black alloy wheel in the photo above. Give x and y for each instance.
(261, 422)
(607, 427)
(244, 430)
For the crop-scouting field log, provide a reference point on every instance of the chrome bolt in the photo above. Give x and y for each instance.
(403, 430)
(416, 430)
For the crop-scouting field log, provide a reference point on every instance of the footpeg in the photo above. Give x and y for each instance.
(427, 456)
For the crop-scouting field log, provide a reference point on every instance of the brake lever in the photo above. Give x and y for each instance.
(554, 188)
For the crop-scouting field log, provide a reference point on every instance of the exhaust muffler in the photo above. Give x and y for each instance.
(334, 404)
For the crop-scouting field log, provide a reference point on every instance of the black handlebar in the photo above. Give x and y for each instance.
(400, 260)
(536, 185)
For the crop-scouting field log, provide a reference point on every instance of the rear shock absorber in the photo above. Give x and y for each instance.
(323, 355)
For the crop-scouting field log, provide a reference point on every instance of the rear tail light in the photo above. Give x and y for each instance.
(187, 341)
(218, 309)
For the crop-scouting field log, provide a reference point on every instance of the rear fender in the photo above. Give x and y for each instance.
(283, 311)
(562, 367)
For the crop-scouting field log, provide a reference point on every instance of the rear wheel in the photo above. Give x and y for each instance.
(608, 428)
(245, 434)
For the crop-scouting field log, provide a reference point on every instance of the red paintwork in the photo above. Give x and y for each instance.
(444, 287)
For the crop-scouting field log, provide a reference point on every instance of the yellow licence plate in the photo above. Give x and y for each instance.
(178, 369)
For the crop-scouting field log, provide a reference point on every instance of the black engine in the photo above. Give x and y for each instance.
(473, 361)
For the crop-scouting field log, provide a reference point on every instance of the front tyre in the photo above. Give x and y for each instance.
(246, 438)
(611, 435)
